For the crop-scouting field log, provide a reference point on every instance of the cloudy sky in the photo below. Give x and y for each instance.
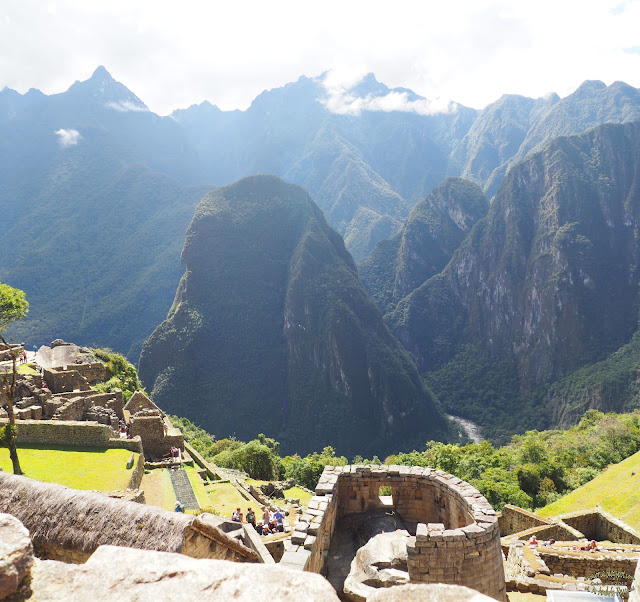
(174, 54)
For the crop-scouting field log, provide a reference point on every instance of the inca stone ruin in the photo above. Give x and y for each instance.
(406, 527)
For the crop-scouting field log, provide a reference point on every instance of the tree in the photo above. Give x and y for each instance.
(13, 307)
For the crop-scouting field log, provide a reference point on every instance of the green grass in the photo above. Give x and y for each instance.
(616, 490)
(75, 467)
(225, 498)
(158, 490)
(297, 492)
(27, 369)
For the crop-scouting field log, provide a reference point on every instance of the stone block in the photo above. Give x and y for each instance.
(298, 537)
(16, 554)
(422, 533)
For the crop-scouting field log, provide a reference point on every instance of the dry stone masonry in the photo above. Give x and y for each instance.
(456, 540)
(536, 568)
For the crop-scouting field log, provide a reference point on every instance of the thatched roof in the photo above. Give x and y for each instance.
(84, 520)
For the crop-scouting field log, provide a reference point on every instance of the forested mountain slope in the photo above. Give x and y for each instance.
(434, 230)
(272, 332)
(88, 230)
(548, 281)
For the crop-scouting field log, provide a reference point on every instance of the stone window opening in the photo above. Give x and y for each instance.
(385, 493)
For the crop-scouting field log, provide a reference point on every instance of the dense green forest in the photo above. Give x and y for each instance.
(533, 470)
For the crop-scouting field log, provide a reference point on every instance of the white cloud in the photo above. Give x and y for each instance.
(126, 106)
(471, 51)
(341, 100)
(347, 104)
(68, 137)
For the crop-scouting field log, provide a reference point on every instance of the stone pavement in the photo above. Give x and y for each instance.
(183, 489)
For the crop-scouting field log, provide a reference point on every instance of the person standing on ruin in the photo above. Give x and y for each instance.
(251, 517)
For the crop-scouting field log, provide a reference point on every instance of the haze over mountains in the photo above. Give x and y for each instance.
(497, 301)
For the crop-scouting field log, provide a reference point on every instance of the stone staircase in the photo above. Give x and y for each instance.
(183, 489)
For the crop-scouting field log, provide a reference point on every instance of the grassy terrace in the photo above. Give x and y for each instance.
(616, 490)
(75, 467)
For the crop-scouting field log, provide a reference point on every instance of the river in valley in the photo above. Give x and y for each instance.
(471, 429)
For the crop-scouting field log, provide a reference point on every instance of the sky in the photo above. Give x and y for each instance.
(174, 54)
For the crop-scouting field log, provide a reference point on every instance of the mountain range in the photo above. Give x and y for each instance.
(500, 245)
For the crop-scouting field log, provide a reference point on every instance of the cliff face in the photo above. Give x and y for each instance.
(271, 331)
(434, 230)
(549, 278)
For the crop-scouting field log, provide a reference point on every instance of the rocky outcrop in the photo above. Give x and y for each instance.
(271, 331)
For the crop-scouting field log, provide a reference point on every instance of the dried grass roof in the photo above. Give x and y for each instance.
(84, 520)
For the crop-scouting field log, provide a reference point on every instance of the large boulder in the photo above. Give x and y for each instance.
(16, 554)
(143, 575)
(437, 592)
(380, 563)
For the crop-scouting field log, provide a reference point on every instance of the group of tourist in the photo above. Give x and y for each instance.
(533, 541)
(271, 522)
(125, 429)
(592, 546)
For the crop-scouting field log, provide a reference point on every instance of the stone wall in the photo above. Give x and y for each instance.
(138, 472)
(158, 437)
(51, 551)
(139, 401)
(94, 372)
(113, 401)
(586, 565)
(80, 434)
(513, 520)
(601, 526)
(64, 381)
(457, 538)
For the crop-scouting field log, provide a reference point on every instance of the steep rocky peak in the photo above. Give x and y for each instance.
(103, 89)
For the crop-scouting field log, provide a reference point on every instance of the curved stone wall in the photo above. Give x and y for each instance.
(456, 541)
